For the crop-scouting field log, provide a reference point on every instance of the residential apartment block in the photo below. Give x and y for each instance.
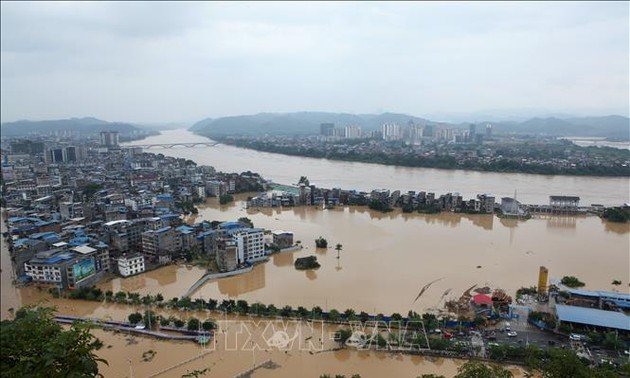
(130, 265)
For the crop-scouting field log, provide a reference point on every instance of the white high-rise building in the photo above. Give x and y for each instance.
(251, 244)
(353, 132)
(392, 131)
(109, 138)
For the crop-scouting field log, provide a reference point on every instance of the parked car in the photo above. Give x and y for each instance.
(575, 337)
(512, 334)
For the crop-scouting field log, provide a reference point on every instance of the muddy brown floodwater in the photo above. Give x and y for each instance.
(387, 258)
(385, 261)
(376, 272)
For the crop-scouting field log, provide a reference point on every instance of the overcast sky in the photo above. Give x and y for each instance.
(163, 62)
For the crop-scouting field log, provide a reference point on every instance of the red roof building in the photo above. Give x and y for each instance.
(481, 299)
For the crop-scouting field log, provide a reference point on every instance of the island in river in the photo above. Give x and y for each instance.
(548, 156)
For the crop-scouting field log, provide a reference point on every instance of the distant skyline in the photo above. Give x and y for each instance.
(159, 62)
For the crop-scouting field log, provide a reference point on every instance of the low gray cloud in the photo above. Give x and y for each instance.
(154, 61)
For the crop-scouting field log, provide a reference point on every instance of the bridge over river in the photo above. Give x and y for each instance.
(172, 145)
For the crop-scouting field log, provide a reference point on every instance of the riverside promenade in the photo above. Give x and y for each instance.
(185, 335)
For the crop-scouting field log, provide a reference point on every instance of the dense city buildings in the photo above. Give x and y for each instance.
(475, 147)
(114, 209)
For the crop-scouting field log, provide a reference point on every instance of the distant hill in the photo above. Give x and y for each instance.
(160, 126)
(298, 123)
(201, 124)
(612, 127)
(86, 125)
(305, 123)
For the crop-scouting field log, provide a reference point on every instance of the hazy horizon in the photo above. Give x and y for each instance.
(183, 62)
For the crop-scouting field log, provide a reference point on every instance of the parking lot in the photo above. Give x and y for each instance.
(528, 334)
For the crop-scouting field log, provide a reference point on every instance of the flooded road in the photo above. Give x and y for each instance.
(531, 189)
(128, 352)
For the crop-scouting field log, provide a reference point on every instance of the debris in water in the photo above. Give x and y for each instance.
(425, 287)
(483, 290)
(445, 293)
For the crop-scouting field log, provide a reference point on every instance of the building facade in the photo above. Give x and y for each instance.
(130, 265)
(251, 244)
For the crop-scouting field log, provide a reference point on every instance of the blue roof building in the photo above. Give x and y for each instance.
(593, 317)
(621, 300)
(231, 226)
(185, 229)
(164, 197)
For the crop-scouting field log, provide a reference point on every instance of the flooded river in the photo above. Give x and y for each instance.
(531, 189)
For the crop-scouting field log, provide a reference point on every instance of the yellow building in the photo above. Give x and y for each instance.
(543, 274)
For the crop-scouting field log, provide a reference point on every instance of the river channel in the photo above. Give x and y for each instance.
(530, 189)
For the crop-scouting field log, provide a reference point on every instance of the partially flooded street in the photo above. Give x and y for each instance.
(126, 353)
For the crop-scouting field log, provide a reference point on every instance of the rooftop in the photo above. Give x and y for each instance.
(280, 232)
(84, 249)
(565, 198)
(480, 299)
(112, 223)
(594, 317)
(231, 225)
(52, 257)
(185, 229)
(599, 294)
(163, 229)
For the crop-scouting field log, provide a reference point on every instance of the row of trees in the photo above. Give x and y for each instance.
(242, 307)
(617, 214)
(150, 320)
(571, 281)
